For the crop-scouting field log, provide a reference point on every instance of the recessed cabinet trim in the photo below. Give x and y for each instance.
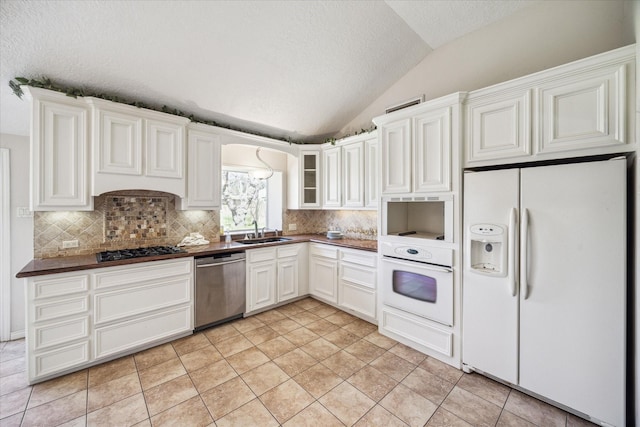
(432, 157)
(119, 142)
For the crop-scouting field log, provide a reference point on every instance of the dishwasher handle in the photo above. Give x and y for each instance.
(216, 260)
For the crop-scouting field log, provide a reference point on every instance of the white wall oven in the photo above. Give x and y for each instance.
(418, 279)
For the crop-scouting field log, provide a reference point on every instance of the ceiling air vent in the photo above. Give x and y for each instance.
(408, 103)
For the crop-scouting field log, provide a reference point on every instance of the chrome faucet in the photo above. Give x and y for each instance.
(255, 224)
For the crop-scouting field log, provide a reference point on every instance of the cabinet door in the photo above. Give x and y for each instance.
(432, 147)
(203, 171)
(499, 128)
(371, 173)
(323, 278)
(262, 285)
(353, 173)
(396, 157)
(118, 140)
(310, 179)
(59, 147)
(583, 113)
(332, 189)
(287, 278)
(165, 148)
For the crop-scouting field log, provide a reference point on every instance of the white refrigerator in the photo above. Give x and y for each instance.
(544, 282)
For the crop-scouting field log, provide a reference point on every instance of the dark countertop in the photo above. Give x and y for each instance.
(39, 267)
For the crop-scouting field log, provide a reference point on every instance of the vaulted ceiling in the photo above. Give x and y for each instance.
(298, 69)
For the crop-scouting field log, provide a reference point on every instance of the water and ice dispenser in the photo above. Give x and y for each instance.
(488, 249)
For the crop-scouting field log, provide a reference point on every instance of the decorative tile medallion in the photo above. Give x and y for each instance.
(135, 217)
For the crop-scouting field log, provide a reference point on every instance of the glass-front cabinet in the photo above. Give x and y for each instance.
(310, 178)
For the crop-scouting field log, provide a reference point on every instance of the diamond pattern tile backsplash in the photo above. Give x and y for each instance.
(135, 218)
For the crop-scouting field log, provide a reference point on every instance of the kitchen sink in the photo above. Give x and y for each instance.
(263, 240)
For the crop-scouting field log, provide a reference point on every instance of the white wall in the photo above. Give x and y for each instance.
(21, 228)
(539, 37)
(245, 155)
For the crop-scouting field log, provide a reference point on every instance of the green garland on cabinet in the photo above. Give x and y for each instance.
(46, 83)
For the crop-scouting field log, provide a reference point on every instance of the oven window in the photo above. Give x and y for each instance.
(416, 286)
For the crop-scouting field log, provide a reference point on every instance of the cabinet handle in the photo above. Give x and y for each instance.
(511, 265)
(524, 268)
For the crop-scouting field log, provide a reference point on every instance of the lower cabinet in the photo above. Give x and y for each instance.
(344, 277)
(78, 319)
(275, 275)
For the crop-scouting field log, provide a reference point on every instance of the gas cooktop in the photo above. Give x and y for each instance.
(137, 253)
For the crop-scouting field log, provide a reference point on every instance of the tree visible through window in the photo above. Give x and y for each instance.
(244, 200)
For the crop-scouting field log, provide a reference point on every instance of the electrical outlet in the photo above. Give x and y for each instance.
(24, 213)
(293, 227)
(67, 244)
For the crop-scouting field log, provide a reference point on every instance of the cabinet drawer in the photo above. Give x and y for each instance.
(60, 285)
(60, 332)
(127, 302)
(359, 257)
(324, 251)
(57, 309)
(53, 361)
(128, 335)
(362, 276)
(259, 255)
(417, 330)
(149, 271)
(288, 251)
(358, 298)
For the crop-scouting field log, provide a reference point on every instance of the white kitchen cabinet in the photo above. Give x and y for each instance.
(371, 177)
(332, 177)
(274, 275)
(203, 169)
(353, 158)
(323, 272)
(579, 109)
(357, 283)
(59, 152)
(416, 145)
(137, 148)
(75, 320)
(304, 182)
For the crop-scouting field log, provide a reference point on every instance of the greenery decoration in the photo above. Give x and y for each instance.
(46, 83)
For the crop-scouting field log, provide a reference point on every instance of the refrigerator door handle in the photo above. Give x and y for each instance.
(524, 254)
(513, 276)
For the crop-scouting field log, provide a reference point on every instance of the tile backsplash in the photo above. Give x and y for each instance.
(136, 218)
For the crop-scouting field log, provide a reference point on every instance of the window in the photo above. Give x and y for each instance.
(246, 199)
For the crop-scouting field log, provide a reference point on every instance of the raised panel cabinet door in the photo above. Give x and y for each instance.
(119, 143)
(332, 189)
(262, 285)
(59, 144)
(323, 278)
(203, 171)
(165, 149)
(396, 157)
(287, 278)
(371, 176)
(353, 173)
(432, 146)
(587, 113)
(499, 128)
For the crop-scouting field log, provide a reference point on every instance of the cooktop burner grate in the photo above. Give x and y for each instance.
(137, 253)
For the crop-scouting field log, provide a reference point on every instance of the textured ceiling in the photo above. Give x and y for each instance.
(299, 69)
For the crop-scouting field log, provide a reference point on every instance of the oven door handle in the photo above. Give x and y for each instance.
(417, 264)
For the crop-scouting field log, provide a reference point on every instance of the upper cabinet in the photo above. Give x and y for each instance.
(578, 109)
(203, 169)
(332, 174)
(135, 148)
(60, 177)
(304, 179)
(416, 145)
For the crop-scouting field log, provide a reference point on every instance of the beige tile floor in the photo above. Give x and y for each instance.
(303, 364)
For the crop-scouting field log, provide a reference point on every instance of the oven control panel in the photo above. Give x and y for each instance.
(432, 255)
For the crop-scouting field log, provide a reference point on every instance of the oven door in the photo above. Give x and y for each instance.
(425, 290)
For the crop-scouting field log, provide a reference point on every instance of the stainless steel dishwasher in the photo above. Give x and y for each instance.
(220, 288)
